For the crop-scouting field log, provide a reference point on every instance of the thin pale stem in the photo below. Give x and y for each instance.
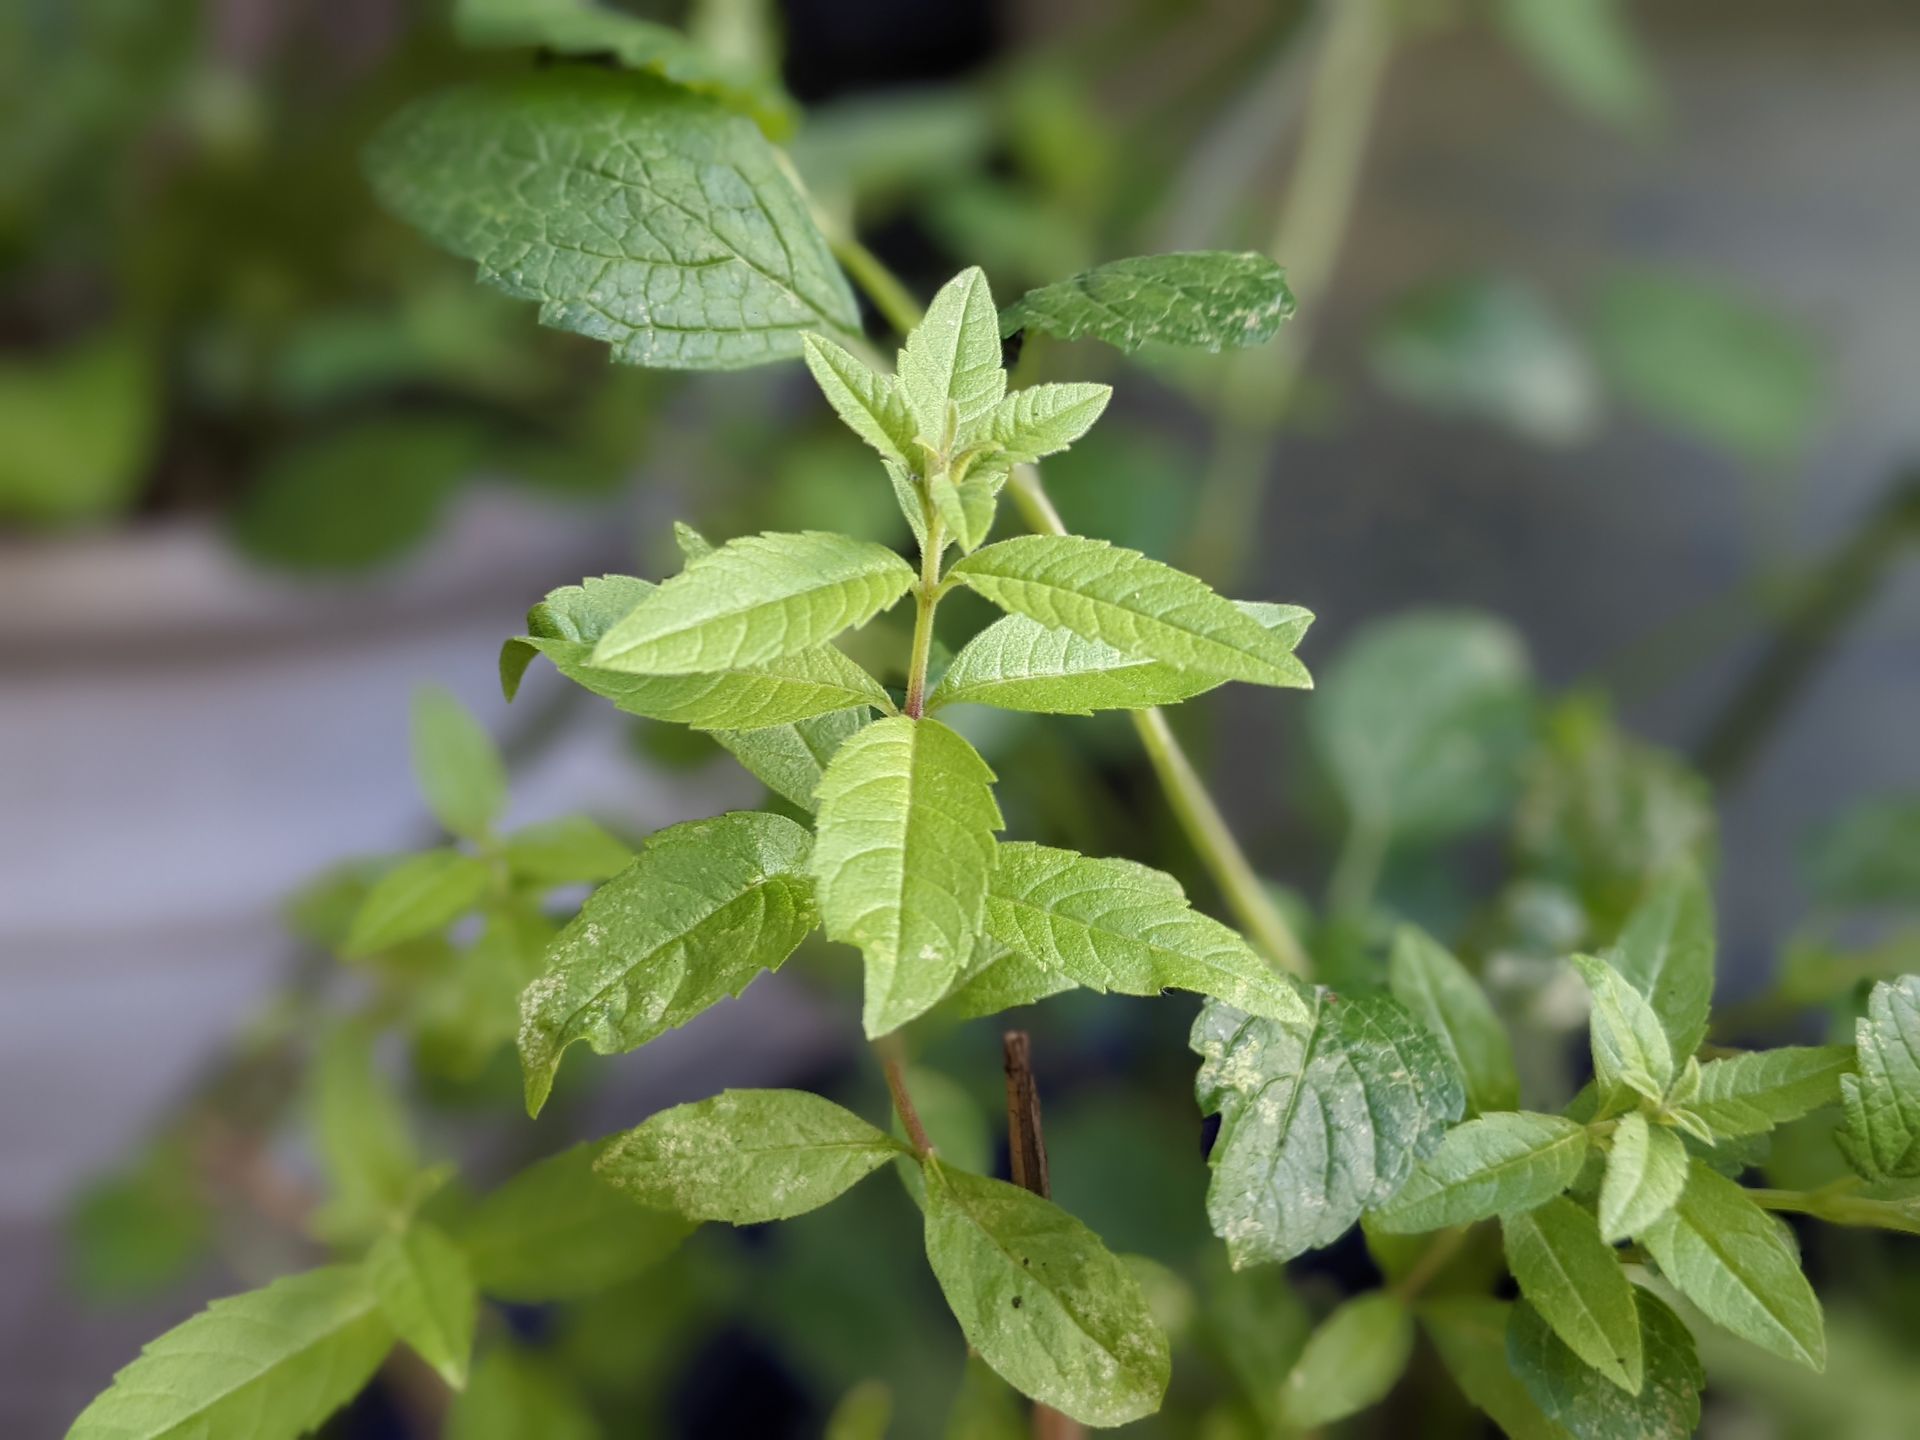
(1838, 1205)
(890, 297)
(1432, 1261)
(926, 597)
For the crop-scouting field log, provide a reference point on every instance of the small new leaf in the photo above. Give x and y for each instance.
(950, 366)
(1040, 420)
(1665, 951)
(1209, 299)
(707, 907)
(1319, 1122)
(903, 854)
(747, 1156)
(1426, 979)
(1727, 1255)
(1134, 604)
(1500, 1164)
(1042, 1300)
(422, 895)
(457, 764)
(1750, 1094)
(1646, 1171)
(1630, 1049)
(1573, 1280)
(868, 402)
(571, 850)
(427, 1290)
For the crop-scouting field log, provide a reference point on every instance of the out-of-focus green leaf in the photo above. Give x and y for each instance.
(571, 850)
(137, 1231)
(893, 141)
(421, 895)
(78, 425)
(426, 1289)
(456, 763)
(366, 1145)
(1869, 855)
(1210, 299)
(514, 1395)
(1470, 1332)
(1588, 51)
(1351, 1361)
(1582, 1401)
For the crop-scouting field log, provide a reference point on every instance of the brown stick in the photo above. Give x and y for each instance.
(1027, 1145)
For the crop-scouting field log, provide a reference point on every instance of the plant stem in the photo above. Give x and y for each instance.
(1432, 1261)
(890, 297)
(1027, 1150)
(1193, 806)
(1838, 1205)
(893, 1063)
(926, 598)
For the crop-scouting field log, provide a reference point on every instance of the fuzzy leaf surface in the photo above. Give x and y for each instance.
(707, 906)
(1630, 1047)
(631, 212)
(868, 402)
(1048, 1306)
(1500, 1164)
(903, 852)
(1665, 951)
(1208, 299)
(1574, 1282)
(1041, 420)
(1449, 1002)
(1750, 1094)
(1881, 1138)
(1133, 603)
(953, 359)
(1319, 1122)
(1646, 1171)
(747, 1156)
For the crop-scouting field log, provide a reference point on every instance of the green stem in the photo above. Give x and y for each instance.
(890, 297)
(926, 598)
(1432, 1261)
(1356, 873)
(1838, 1205)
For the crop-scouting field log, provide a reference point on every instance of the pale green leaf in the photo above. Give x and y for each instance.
(515, 1395)
(1210, 299)
(691, 544)
(1727, 1255)
(1585, 1404)
(707, 906)
(557, 1231)
(791, 760)
(754, 600)
(1134, 604)
(950, 365)
(903, 854)
(1115, 925)
(1630, 1049)
(1881, 1137)
(427, 1290)
(1040, 420)
(747, 1156)
(1001, 979)
(864, 1413)
(632, 212)
(1470, 1332)
(1449, 1002)
(1020, 664)
(1869, 855)
(1353, 1358)
(267, 1365)
(1500, 1164)
(867, 401)
(1588, 51)
(1574, 1282)
(79, 422)
(595, 32)
(1750, 1094)
(457, 764)
(422, 895)
(1042, 1300)
(1422, 723)
(365, 1145)
(1646, 1171)
(1665, 951)
(571, 850)
(1319, 1122)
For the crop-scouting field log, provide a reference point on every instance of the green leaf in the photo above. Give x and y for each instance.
(1728, 1256)
(864, 1413)
(1489, 347)
(1574, 1282)
(1002, 979)
(1665, 951)
(366, 1147)
(1881, 1137)
(1135, 604)
(593, 32)
(986, 1407)
(691, 544)
(267, 1365)
(755, 600)
(1355, 1356)
(1712, 362)
(1470, 1332)
(1500, 1164)
(632, 212)
(565, 626)
(747, 1156)
(1042, 1300)
(1630, 1049)
(952, 359)
(1422, 722)
(1040, 420)
(427, 1291)
(707, 906)
(1210, 299)
(1869, 855)
(1449, 1002)
(79, 423)
(1588, 51)
(1319, 1122)
(1115, 925)
(422, 895)
(1646, 1171)
(557, 1231)
(1579, 1399)
(1750, 1094)
(867, 401)
(571, 850)
(791, 760)
(903, 853)
(514, 1395)
(456, 764)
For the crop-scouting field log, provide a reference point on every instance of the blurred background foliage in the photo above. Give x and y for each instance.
(204, 319)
